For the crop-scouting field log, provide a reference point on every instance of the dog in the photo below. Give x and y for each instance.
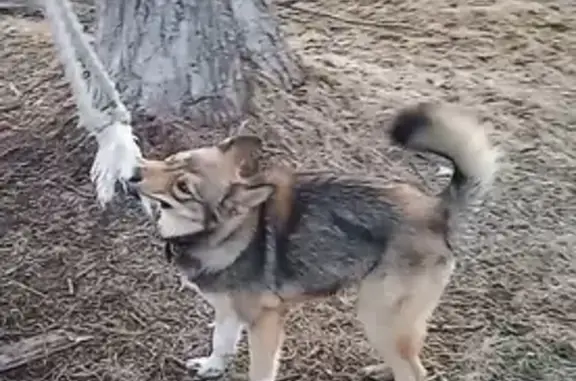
(254, 242)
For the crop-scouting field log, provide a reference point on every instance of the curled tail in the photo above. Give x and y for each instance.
(443, 130)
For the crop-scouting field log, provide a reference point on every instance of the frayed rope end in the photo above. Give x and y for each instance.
(117, 157)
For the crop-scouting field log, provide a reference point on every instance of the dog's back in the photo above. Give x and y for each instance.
(336, 233)
(325, 231)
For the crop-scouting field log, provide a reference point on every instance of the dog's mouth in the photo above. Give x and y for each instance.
(179, 246)
(169, 251)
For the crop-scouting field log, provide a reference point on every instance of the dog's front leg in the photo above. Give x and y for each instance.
(266, 334)
(225, 336)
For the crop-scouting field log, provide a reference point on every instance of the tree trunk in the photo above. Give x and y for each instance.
(192, 59)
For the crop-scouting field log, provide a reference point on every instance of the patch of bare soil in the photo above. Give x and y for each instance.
(510, 311)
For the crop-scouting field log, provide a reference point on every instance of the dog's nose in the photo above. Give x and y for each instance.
(136, 176)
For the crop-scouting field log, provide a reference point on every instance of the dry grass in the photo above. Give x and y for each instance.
(510, 312)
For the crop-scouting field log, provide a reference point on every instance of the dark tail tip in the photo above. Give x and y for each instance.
(408, 122)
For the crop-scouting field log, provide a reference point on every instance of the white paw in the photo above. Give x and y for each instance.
(381, 371)
(207, 367)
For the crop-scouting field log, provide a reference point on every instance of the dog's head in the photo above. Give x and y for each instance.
(200, 191)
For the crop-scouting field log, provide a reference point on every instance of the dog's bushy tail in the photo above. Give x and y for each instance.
(443, 130)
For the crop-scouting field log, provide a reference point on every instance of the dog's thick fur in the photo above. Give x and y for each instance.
(255, 242)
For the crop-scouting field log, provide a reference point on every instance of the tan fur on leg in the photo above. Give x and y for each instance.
(265, 337)
(394, 311)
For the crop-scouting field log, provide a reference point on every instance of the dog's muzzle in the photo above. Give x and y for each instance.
(168, 251)
(132, 190)
(131, 184)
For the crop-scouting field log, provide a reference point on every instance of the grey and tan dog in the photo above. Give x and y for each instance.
(255, 242)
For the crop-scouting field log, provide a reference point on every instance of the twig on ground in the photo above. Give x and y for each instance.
(10, 106)
(456, 328)
(18, 5)
(33, 348)
(347, 20)
(28, 288)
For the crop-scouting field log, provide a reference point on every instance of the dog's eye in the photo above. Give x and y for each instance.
(182, 186)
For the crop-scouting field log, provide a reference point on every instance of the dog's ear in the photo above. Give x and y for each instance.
(249, 196)
(243, 152)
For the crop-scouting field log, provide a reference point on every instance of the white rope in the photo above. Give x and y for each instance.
(118, 153)
(92, 62)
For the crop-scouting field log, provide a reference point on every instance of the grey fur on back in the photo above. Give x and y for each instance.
(337, 234)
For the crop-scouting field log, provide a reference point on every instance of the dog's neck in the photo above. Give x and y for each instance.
(215, 249)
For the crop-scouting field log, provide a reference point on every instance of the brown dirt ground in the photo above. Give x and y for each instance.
(510, 311)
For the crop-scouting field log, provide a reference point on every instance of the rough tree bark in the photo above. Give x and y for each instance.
(192, 58)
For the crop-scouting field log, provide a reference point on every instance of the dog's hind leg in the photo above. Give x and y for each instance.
(265, 336)
(227, 332)
(394, 310)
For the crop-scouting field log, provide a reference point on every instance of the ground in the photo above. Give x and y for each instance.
(510, 311)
